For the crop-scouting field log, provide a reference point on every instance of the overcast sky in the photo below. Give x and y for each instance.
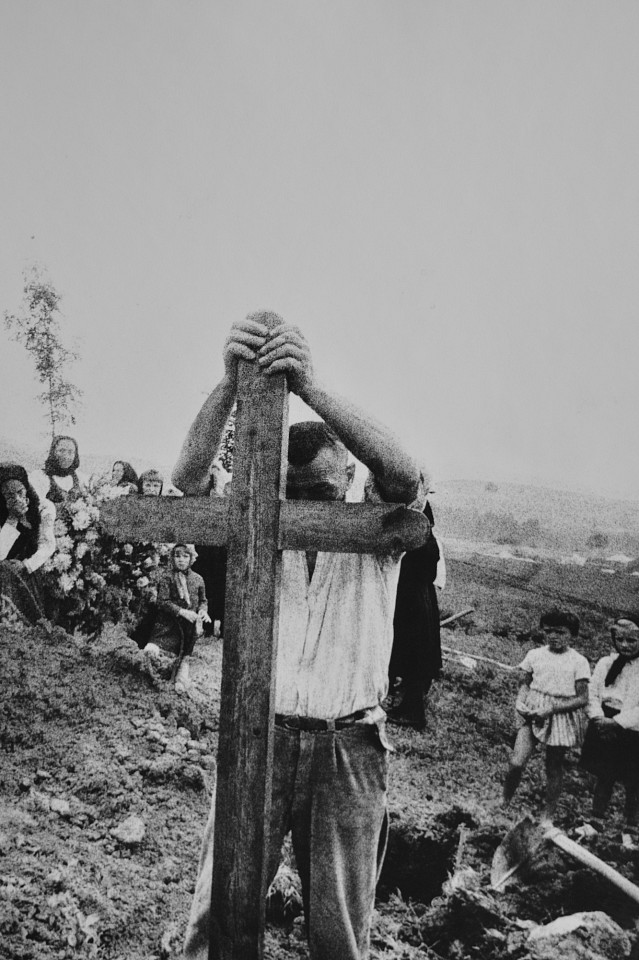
(444, 196)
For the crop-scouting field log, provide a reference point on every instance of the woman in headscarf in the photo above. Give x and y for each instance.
(611, 747)
(60, 479)
(124, 479)
(26, 541)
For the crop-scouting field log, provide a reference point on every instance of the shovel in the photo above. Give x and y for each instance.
(520, 845)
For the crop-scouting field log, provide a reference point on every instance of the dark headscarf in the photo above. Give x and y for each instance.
(128, 475)
(30, 525)
(51, 465)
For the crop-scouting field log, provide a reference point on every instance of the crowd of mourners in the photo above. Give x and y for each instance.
(174, 608)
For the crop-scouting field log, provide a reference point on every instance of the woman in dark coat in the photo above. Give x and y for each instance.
(26, 541)
(416, 656)
(61, 478)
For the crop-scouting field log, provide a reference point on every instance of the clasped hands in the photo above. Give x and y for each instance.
(281, 350)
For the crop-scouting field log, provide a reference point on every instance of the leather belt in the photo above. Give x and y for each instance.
(314, 724)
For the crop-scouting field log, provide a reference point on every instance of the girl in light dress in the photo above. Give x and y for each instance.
(550, 706)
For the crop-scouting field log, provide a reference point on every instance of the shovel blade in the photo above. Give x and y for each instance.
(516, 849)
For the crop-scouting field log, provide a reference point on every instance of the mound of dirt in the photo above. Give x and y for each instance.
(105, 781)
(90, 739)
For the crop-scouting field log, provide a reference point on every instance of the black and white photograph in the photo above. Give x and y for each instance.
(319, 480)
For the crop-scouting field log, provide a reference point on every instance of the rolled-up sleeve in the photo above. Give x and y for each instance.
(46, 537)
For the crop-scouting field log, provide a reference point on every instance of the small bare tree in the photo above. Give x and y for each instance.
(37, 327)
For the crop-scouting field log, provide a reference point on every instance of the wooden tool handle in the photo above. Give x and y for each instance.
(590, 860)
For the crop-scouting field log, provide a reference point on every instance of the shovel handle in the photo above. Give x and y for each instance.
(590, 860)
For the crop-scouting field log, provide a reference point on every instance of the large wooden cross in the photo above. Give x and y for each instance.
(255, 523)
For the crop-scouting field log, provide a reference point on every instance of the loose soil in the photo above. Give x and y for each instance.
(91, 735)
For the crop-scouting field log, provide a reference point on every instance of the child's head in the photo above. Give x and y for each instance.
(560, 627)
(181, 557)
(625, 635)
(150, 483)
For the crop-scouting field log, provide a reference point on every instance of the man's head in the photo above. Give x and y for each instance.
(318, 467)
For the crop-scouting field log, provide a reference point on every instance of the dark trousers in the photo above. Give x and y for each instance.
(329, 789)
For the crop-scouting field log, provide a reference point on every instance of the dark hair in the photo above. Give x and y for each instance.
(561, 618)
(153, 475)
(128, 474)
(51, 465)
(14, 471)
(306, 439)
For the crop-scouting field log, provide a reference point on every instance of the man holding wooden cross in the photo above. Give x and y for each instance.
(335, 638)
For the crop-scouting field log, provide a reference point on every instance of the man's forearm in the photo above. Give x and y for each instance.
(395, 471)
(202, 442)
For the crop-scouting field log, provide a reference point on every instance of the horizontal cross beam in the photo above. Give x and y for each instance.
(303, 525)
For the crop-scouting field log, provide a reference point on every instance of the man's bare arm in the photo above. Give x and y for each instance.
(398, 475)
(191, 472)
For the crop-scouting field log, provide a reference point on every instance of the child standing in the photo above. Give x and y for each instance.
(550, 705)
(181, 610)
(611, 747)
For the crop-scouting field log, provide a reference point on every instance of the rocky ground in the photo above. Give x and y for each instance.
(105, 779)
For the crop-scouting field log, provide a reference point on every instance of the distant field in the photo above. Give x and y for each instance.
(552, 520)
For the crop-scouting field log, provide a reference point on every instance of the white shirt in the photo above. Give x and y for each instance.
(46, 538)
(555, 673)
(622, 695)
(336, 632)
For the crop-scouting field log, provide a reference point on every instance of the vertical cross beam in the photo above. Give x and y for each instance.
(245, 751)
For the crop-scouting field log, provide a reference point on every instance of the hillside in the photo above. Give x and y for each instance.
(105, 785)
(535, 516)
